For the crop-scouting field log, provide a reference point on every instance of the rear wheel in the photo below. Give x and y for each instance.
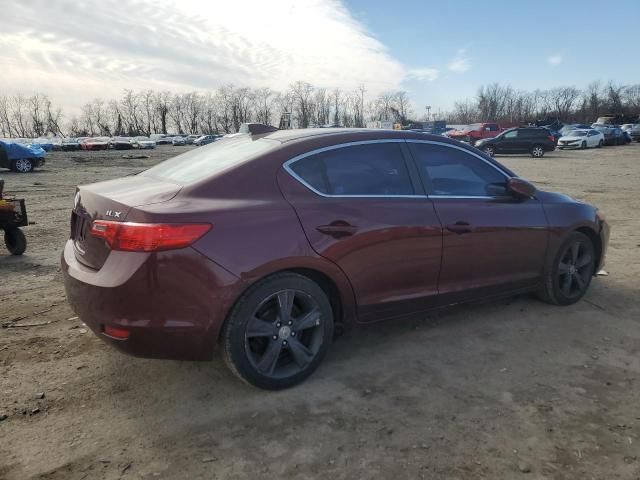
(278, 332)
(23, 165)
(569, 277)
(15, 241)
(537, 151)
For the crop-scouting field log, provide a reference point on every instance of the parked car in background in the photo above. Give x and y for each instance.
(95, 143)
(161, 138)
(179, 140)
(20, 157)
(143, 142)
(189, 139)
(121, 143)
(581, 139)
(268, 240)
(633, 129)
(574, 126)
(44, 143)
(612, 135)
(70, 144)
(205, 139)
(475, 132)
(532, 140)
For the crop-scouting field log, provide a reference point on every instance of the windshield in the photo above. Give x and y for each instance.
(578, 133)
(211, 159)
(141, 138)
(475, 126)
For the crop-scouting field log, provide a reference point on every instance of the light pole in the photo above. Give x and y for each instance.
(428, 107)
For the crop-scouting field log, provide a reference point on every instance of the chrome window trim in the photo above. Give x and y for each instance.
(287, 166)
(289, 170)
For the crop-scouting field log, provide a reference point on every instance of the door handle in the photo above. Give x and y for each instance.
(338, 229)
(460, 228)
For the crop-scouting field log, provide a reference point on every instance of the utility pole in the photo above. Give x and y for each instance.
(428, 107)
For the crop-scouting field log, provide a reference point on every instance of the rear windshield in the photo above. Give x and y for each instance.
(211, 159)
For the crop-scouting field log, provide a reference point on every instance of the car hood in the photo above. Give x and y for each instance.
(16, 151)
(554, 197)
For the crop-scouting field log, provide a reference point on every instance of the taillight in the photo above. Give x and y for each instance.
(116, 332)
(552, 138)
(147, 237)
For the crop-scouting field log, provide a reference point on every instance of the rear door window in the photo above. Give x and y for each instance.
(450, 171)
(375, 169)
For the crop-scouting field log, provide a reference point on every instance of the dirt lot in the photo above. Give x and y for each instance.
(515, 389)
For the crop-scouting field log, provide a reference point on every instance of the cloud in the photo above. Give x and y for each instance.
(460, 63)
(555, 59)
(77, 51)
(423, 74)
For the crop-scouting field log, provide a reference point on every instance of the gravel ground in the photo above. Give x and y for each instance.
(513, 389)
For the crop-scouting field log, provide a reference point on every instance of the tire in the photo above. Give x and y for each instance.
(15, 241)
(567, 288)
(537, 151)
(258, 344)
(489, 150)
(600, 143)
(583, 146)
(22, 165)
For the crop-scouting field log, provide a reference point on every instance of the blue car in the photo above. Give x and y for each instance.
(20, 157)
(205, 139)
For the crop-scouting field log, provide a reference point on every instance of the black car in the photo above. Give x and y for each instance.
(532, 140)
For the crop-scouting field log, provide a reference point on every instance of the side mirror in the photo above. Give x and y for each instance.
(521, 188)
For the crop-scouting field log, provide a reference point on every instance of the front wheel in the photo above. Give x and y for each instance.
(569, 277)
(583, 146)
(537, 151)
(278, 332)
(23, 165)
(15, 241)
(600, 143)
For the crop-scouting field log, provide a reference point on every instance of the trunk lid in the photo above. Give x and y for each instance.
(111, 200)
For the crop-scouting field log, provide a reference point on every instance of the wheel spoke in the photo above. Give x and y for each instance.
(267, 363)
(566, 285)
(259, 328)
(575, 248)
(583, 261)
(301, 354)
(285, 305)
(311, 319)
(563, 268)
(579, 280)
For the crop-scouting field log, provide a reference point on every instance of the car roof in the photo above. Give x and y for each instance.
(349, 135)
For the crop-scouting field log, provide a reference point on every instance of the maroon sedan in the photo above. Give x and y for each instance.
(267, 242)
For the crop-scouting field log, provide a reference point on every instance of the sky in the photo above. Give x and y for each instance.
(439, 52)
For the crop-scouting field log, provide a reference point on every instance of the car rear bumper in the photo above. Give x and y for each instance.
(172, 303)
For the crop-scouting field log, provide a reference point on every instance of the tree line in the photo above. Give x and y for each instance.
(503, 103)
(226, 108)
(219, 111)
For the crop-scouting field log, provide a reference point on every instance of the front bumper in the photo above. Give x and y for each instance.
(604, 233)
(173, 303)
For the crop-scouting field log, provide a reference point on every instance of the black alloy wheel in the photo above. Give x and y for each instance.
(279, 331)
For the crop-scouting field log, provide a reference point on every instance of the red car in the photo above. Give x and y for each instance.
(475, 132)
(95, 143)
(268, 242)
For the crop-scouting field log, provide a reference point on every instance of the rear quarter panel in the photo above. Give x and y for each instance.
(255, 231)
